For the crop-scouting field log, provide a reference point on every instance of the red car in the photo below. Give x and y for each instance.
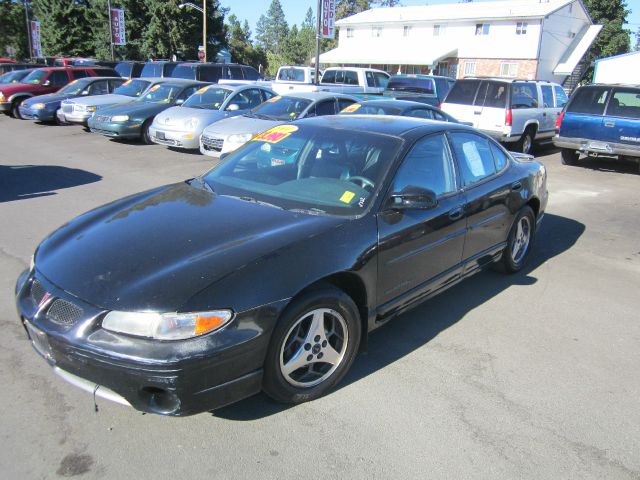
(45, 80)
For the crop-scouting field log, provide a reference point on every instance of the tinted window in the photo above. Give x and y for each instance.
(151, 70)
(350, 78)
(428, 165)
(495, 95)
(248, 99)
(99, 88)
(589, 100)
(186, 71)
(250, 73)
(344, 103)
(211, 73)
(524, 95)
(123, 69)
(186, 93)
(499, 156)
(463, 92)
(561, 97)
(547, 96)
(371, 81)
(168, 69)
(235, 73)
(329, 76)
(115, 83)
(420, 113)
(412, 84)
(59, 78)
(328, 107)
(381, 79)
(625, 103)
(79, 73)
(474, 157)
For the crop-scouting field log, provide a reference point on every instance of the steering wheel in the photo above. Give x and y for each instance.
(363, 181)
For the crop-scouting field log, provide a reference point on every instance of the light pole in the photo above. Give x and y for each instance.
(110, 29)
(26, 16)
(202, 10)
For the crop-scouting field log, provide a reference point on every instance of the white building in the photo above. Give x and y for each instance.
(623, 68)
(544, 39)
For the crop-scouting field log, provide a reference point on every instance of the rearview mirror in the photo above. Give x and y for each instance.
(412, 197)
(233, 107)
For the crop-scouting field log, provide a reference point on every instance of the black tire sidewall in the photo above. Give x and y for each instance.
(568, 156)
(274, 383)
(508, 263)
(15, 109)
(527, 133)
(146, 138)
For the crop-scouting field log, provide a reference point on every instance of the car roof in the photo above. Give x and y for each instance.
(395, 103)
(382, 124)
(318, 95)
(183, 82)
(625, 85)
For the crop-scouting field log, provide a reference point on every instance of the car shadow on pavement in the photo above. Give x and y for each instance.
(20, 182)
(604, 164)
(416, 328)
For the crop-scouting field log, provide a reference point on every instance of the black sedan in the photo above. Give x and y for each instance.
(268, 272)
(403, 108)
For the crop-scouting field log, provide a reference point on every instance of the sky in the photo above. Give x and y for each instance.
(295, 10)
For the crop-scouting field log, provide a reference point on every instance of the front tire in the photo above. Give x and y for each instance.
(145, 136)
(519, 242)
(312, 346)
(569, 156)
(15, 109)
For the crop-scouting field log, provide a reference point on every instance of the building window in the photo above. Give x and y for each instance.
(406, 31)
(508, 69)
(376, 32)
(482, 29)
(438, 30)
(469, 68)
(349, 32)
(521, 28)
(443, 69)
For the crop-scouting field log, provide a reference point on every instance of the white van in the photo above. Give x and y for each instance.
(516, 112)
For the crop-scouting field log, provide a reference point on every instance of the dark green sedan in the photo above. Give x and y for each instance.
(132, 120)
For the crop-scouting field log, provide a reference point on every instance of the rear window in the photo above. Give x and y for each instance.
(412, 84)
(624, 103)
(329, 77)
(589, 100)
(463, 92)
(151, 70)
(492, 94)
(291, 74)
(184, 71)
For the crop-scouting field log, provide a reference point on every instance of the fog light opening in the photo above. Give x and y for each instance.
(160, 400)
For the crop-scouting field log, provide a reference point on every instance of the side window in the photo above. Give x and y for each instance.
(248, 99)
(371, 80)
(381, 79)
(495, 95)
(266, 95)
(420, 113)
(58, 78)
(427, 165)
(463, 92)
(524, 95)
(547, 96)
(115, 83)
(211, 74)
(590, 100)
(474, 157)
(499, 157)
(250, 73)
(186, 93)
(344, 103)
(329, 76)
(340, 76)
(350, 78)
(624, 103)
(561, 97)
(99, 88)
(328, 107)
(235, 73)
(79, 73)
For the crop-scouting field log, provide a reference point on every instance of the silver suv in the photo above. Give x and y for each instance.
(517, 112)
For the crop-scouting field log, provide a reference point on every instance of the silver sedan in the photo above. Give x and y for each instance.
(182, 126)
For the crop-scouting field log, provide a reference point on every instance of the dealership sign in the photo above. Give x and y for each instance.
(36, 46)
(117, 26)
(328, 18)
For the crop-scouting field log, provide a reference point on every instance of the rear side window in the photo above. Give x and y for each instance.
(250, 73)
(350, 78)
(168, 69)
(624, 103)
(499, 157)
(474, 156)
(547, 96)
(185, 71)
(329, 76)
(79, 73)
(151, 70)
(99, 88)
(524, 95)
(420, 113)
(328, 107)
(463, 92)
(492, 94)
(210, 73)
(235, 73)
(561, 97)
(59, 78)
(589, 100)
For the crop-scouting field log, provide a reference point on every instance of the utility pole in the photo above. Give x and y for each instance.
(318, 37)
(204, 28)
(110, 29)
(26, 16)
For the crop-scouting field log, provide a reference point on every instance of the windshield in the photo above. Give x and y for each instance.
(357, 109)
(35, 77)
(209, 98)
(412, 84)
(75, 87)
(281, 108)
(13, 77)
(161, 93)
(132, 88)
(184, 71)
(316, 169)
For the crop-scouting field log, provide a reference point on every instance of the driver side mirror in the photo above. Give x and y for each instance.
(46, 83)
(179, 101)
(413, 198)
(84, 92)
(233, 107)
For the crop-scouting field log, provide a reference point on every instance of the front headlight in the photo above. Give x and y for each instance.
(38, 106)
(166, 326)
(191, 123)
(240, 138)
(120, 118)
(2, 99)
(91, 108)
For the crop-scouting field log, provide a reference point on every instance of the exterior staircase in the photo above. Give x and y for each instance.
(572, 81)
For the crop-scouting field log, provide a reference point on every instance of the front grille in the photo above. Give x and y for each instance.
(101, 118)
(64, 313)
(212, 143)
(166, 141)
(107, 133)
(37, 292)
(67, 108)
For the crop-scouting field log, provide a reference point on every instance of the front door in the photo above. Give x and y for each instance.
(420, 250)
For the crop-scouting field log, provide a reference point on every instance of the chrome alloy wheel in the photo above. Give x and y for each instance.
(314, 347)
(521, 239)
(527, 142)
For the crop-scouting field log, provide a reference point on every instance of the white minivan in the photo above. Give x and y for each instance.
(516, 112)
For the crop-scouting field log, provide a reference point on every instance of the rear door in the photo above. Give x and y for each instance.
(525, 106)
(621, 122)
(549, 112)
(583, 115)
(459, 102)
(490, 106)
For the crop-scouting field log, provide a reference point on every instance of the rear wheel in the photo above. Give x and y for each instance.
(525, 144)
(569, 156)
(313, 346)
(519, 242)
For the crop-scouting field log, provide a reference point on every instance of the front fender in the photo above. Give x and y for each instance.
(20, 96)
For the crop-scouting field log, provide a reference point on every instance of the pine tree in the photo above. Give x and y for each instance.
(13, 30)
(346, 8)
(272, 29)
(64, 27)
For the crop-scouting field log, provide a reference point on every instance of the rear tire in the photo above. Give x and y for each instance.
(312, 346)
(525, 144)
(569, 156)
(519, 242)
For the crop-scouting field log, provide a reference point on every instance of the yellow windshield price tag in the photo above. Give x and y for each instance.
(274, 99)
(127, 82)
(275, 134)
(154, 88)
(351, 108)
(347, 197)
(202, 90)
(75, 81)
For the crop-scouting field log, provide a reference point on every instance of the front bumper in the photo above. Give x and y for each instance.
(189, 140)
(5, 106)
(42, 115)
(116, 129)
(74, 117)
(596, 147)
(165, 377)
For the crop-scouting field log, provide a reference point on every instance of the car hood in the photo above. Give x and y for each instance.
(12, 88)
(156, 249)
(49, 98)
(175, 116)
(135, 109)
(108, 99)
(239, 125)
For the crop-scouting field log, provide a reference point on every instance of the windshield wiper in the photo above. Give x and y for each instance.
(259, 202)
(264, 117)
(204, 185)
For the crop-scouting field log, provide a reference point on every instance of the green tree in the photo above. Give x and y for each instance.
(637, 47)
(272, 29)
(64, 27)
(346, 8)
(294, 51)
(307, 35)
(613, 38)
(13, 30)
(240, 45)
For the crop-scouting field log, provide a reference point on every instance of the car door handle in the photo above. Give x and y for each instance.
(609, 124)
(456, 213)
(477, 112)
(516, 186)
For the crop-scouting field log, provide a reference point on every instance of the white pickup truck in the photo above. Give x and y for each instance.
(334, 79)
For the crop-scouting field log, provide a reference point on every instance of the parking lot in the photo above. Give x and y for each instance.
(533, 375)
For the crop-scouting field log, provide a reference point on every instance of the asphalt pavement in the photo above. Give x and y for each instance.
(530, 376)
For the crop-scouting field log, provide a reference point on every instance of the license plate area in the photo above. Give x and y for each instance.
(40, 342)
(599, 147)
(160, 136)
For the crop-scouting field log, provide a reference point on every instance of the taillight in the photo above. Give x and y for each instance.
(440, 105)
(508, 117)
(559, 120)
